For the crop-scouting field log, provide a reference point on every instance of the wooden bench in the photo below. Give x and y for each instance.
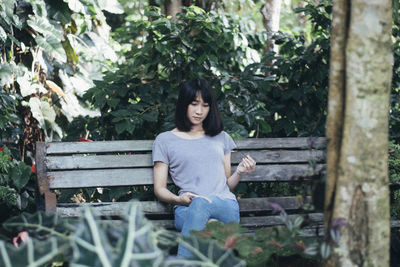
(61, 165)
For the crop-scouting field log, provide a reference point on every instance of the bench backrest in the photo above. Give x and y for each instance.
(127, 163)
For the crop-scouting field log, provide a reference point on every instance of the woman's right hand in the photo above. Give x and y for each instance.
(186, 198)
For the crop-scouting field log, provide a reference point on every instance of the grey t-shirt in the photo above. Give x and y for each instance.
(196, 165)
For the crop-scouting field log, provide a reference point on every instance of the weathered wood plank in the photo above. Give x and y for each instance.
(41, 168)
(98, 161)
(146, 145)
(282, 143)
(48, 198)
(100, 178)
(246, 205)
(98, 146)
(290, 172)
(282, 156)
(144, 176)
(80, 161)
(113, 208)
(254, 222)
(265, 221)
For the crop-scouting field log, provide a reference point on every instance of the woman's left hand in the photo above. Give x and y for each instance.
(247, 165)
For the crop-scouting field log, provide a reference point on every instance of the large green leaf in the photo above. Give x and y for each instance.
(6, 74)
(35, 106)
(43, 26)
(52, 46)
(105, 244)
(3, 35)
(50, 37)
(112, 6)
(33, 253)
(71, 54)
(8, 195)
(75, 6)
(25, 84)
(41, 224)
(20, 175)
(206, 253)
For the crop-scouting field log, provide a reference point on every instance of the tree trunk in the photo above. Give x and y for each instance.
(271, 11)
(357, 130)
(172, 7)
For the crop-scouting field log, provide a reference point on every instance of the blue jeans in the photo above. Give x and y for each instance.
(196, 215)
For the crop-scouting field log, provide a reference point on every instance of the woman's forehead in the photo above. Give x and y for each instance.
(198, 97)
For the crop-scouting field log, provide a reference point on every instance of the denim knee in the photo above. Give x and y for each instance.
(180, 213)
(198, 206)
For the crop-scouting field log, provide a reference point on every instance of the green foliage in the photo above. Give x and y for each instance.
(266, 244)
(51, 53)
(9, 120)
(299, 100)
(285, 99)
(138, 100)
(394, 177)
(394, 122)
(34, 253)
(16, 186)
(90, 241)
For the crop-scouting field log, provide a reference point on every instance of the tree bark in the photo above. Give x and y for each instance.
(172, 7)
(357, 129)
(271, 11)
(334, 120)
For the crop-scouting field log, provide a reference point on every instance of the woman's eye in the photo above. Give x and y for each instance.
(206, 105)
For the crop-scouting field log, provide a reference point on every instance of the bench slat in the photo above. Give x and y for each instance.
(98, 146)
(146, 145)
(254, 221)
(144, 176)
(246, 205)
(100, 178)
(282, 143)
(98, 161)
(144, 160)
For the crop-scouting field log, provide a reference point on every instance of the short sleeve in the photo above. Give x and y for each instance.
(229, 144)
(159, 151)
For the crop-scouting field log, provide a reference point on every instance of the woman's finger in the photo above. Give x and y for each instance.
(251, 159)
(245, 164)
(191, 195)
(249, 163)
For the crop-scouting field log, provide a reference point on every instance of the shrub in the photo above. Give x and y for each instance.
(394, 178)
(16, 186)
(90, 241)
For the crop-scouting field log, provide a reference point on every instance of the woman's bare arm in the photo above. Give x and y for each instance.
(247, 165)
(160, 187)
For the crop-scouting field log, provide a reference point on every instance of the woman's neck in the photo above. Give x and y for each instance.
(196, 129)
(195, 132)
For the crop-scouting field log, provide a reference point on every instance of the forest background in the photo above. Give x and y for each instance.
(110, 70)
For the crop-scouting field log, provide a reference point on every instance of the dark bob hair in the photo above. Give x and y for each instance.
(213, 123)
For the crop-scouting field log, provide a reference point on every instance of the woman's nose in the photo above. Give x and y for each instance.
(199, 110)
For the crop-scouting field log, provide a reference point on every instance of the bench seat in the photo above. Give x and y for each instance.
(68, 165)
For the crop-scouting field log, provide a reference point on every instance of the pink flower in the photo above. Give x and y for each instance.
(24, 236)
(33, 168)
(1, 149)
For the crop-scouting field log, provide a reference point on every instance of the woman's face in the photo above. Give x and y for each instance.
(197, 111)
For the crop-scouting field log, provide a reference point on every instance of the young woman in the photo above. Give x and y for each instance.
(197, 155)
